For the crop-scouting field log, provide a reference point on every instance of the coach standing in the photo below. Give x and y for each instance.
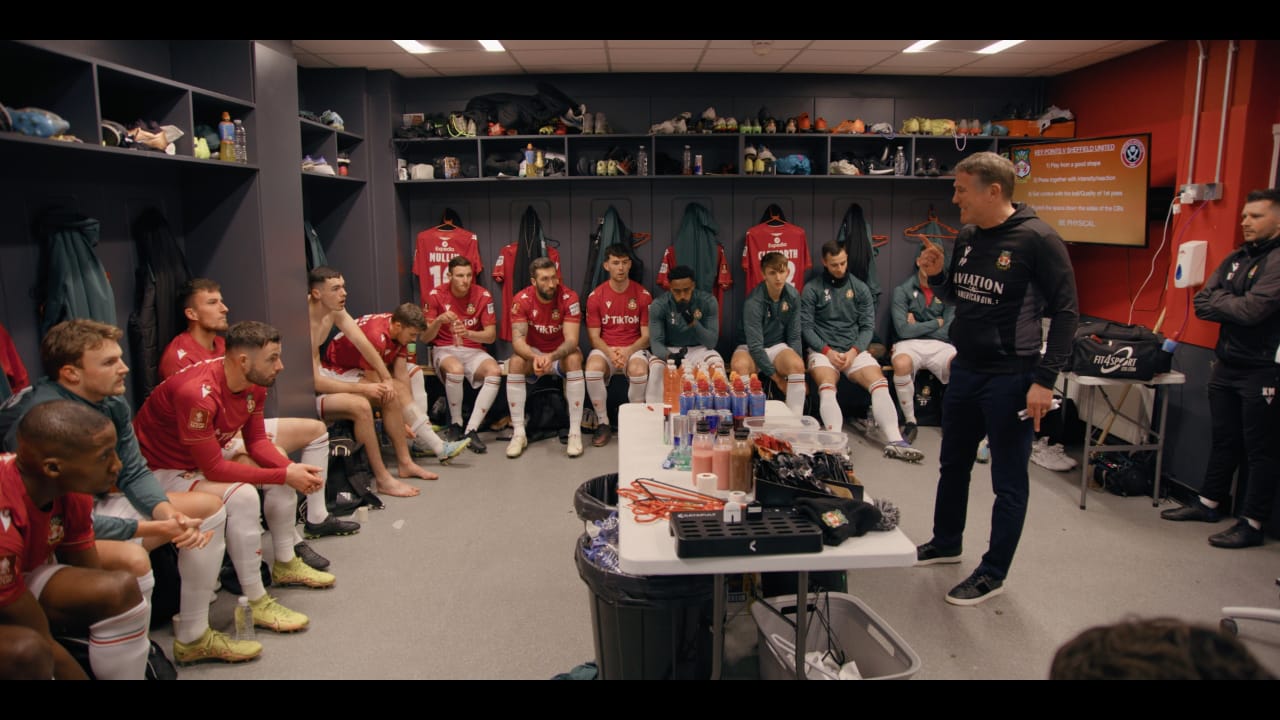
(1009, 270)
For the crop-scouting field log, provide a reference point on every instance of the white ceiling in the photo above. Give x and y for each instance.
(1032, 58)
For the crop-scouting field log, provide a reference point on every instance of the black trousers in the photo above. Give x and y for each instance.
(1246, 431)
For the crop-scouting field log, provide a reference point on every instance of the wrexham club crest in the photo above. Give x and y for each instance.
(1005, 261)
(1021, 164)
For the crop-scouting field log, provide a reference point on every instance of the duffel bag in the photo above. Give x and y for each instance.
(1115, 350)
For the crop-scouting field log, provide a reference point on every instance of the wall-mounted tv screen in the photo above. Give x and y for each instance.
(1092, 191)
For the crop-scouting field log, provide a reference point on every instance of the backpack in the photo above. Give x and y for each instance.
(351, 482)
(546, 413)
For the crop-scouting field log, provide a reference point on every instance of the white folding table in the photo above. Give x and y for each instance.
(650, 549)
(1099, 385)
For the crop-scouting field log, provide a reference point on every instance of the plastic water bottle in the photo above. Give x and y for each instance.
(899, 162)
(242, 143)
(738, 401)
(671, 389)
(688, 401)
(756, 399)
(642, 162)
(244, 619)
(227, 139)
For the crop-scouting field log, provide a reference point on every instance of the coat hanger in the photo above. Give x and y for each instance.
(931, 229)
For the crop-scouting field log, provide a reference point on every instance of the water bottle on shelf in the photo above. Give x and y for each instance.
(642, 162)
(899, 162)
(244, 620)
(242, 143)
(227, 139)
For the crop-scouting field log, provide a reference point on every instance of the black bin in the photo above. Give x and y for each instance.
(645, 627)
(654, 627)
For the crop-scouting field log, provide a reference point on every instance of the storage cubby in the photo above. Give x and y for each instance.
(811, 145)
(41, 79)
(207, 109)
(127, 98)
(585, 151)
(721, 154)
(318, 140)
(353, 147)
(505, 149)
(433, 152)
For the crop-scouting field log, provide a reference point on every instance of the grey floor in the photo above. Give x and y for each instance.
(475, 578)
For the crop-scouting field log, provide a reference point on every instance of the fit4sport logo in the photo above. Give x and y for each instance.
(1122, 360)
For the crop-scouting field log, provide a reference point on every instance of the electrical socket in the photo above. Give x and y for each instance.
(1199, 192)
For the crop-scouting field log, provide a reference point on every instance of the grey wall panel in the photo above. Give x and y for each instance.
(150, 56)
(389, 247)
(281, 292)
(114, 197)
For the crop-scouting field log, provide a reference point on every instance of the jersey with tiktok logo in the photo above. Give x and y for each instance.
(619, 315)
(546, 320)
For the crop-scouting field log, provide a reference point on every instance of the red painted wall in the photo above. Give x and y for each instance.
(1153, 91)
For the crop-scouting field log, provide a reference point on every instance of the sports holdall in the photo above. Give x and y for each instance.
(1115, 350)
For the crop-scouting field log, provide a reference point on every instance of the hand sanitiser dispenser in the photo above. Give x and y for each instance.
(1190, 268)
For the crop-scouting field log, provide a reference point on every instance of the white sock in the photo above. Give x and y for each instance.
(1211, 504)
(244, 537)
(599, 395)
(905, 387)
(280, 507)
(484, 401)
(515, 402)
(147, 584)
(199, 572)
(118, 645)
(453, 391)
(795, 393)
(657, 377)
(828, 408)
(419, 390)
(636, 389)
(424, 437)
(883, 411)
(317, 453)
(1255, 524)
(575, 392)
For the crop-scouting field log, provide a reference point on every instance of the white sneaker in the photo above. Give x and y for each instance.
(517, 445)
(575, 446)
(1053, 457)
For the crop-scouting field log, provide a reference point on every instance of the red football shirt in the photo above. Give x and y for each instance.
(788, 239)
(29, 535)
(546, 320)
(433, 250)
(619, 315)
(475, 311)
(506, 260)
(188, 418)
(185, 351)
(342, 354)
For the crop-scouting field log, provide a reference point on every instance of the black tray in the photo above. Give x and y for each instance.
(777, 532)
(771, 494)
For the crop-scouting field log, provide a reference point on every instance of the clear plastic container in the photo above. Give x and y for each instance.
(775, 422)
(807, 441)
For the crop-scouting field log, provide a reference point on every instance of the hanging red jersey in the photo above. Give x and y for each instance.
(12, 365)
(506, 260)
(433, 250)
(788, 239)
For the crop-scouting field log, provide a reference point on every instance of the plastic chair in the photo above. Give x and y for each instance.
(1231, 614)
